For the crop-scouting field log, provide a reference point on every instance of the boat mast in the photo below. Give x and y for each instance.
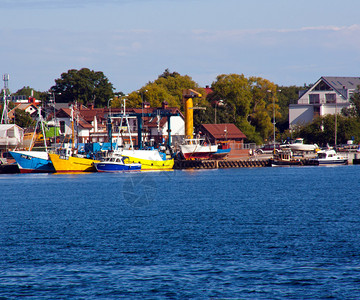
(43, 129)
(72, 129)
(4, 116)
(41, 121)
(128, 125)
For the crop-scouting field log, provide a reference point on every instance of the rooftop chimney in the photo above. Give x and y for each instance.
(164, 105)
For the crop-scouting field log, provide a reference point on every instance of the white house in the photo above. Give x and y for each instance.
(80, 127)
(329, 95)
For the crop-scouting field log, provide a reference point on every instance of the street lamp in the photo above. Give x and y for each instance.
(111, 99)
(218, 103)
(274, 122)
(109, 123)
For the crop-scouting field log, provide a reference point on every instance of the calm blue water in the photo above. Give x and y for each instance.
(262, 233)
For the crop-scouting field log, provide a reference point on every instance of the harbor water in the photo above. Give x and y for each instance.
(249, 233)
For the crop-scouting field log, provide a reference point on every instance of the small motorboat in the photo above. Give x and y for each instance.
(285, 159)
(298, 145)
(330, 157)
(115, 163)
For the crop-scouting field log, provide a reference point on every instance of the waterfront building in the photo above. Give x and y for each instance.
(90, 124)
(329, 95)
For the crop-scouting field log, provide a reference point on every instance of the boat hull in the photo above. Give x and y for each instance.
(9, 168)
(33, 161)
(196, 151)
(280, 163)
(221, 153)
(115, 167)
(148, 165)
(304, 147)
(333, 162)
(149, 159)
(330, 157)
(72, 164)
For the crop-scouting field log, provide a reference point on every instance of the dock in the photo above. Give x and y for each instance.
(225, 164)
(219, 164)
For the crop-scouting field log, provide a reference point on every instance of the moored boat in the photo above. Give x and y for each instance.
(223, 150)
(115, 163)
(69, 163)
(33, 161)
(151, 159)
(298, 145)
(197, 148)
(7, 164)
(285, 159)
(330, 157)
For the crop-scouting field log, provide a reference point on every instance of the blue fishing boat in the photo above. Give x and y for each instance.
(115, 163)
(33, 161)
(222, 151)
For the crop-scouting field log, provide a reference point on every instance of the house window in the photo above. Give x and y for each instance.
(314, 98)
(330, 98)
(316, 111)
(62, 126)
(322, 86)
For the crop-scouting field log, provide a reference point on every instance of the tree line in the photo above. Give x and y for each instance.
(252, 104)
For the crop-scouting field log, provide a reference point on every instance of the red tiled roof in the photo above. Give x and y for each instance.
(217, 131)
(208, 90)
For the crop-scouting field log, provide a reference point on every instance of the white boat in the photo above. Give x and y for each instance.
(197, 149)
(330, 157)
(298, 145)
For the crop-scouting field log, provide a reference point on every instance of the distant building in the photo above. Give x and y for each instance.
(25, 103)
(222, 132)
(329, 95)
(30, 108)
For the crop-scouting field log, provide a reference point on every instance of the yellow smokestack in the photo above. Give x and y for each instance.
(188, 96)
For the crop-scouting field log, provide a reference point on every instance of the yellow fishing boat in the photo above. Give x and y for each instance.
(149, 159)
(72, 163)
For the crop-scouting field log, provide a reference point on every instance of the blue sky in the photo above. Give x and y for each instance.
(133, 41)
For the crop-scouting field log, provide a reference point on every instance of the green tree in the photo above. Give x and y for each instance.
(249, 104)
(23, 119)
(83, 86)
(354, 109)
(286, 96)
(322, 130)
(28, 91)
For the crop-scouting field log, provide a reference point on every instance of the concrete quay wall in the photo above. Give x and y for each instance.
(219, 164)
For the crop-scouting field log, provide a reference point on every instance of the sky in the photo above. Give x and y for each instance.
(133, 41)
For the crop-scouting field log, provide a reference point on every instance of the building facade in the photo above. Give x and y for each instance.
(329, 95)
